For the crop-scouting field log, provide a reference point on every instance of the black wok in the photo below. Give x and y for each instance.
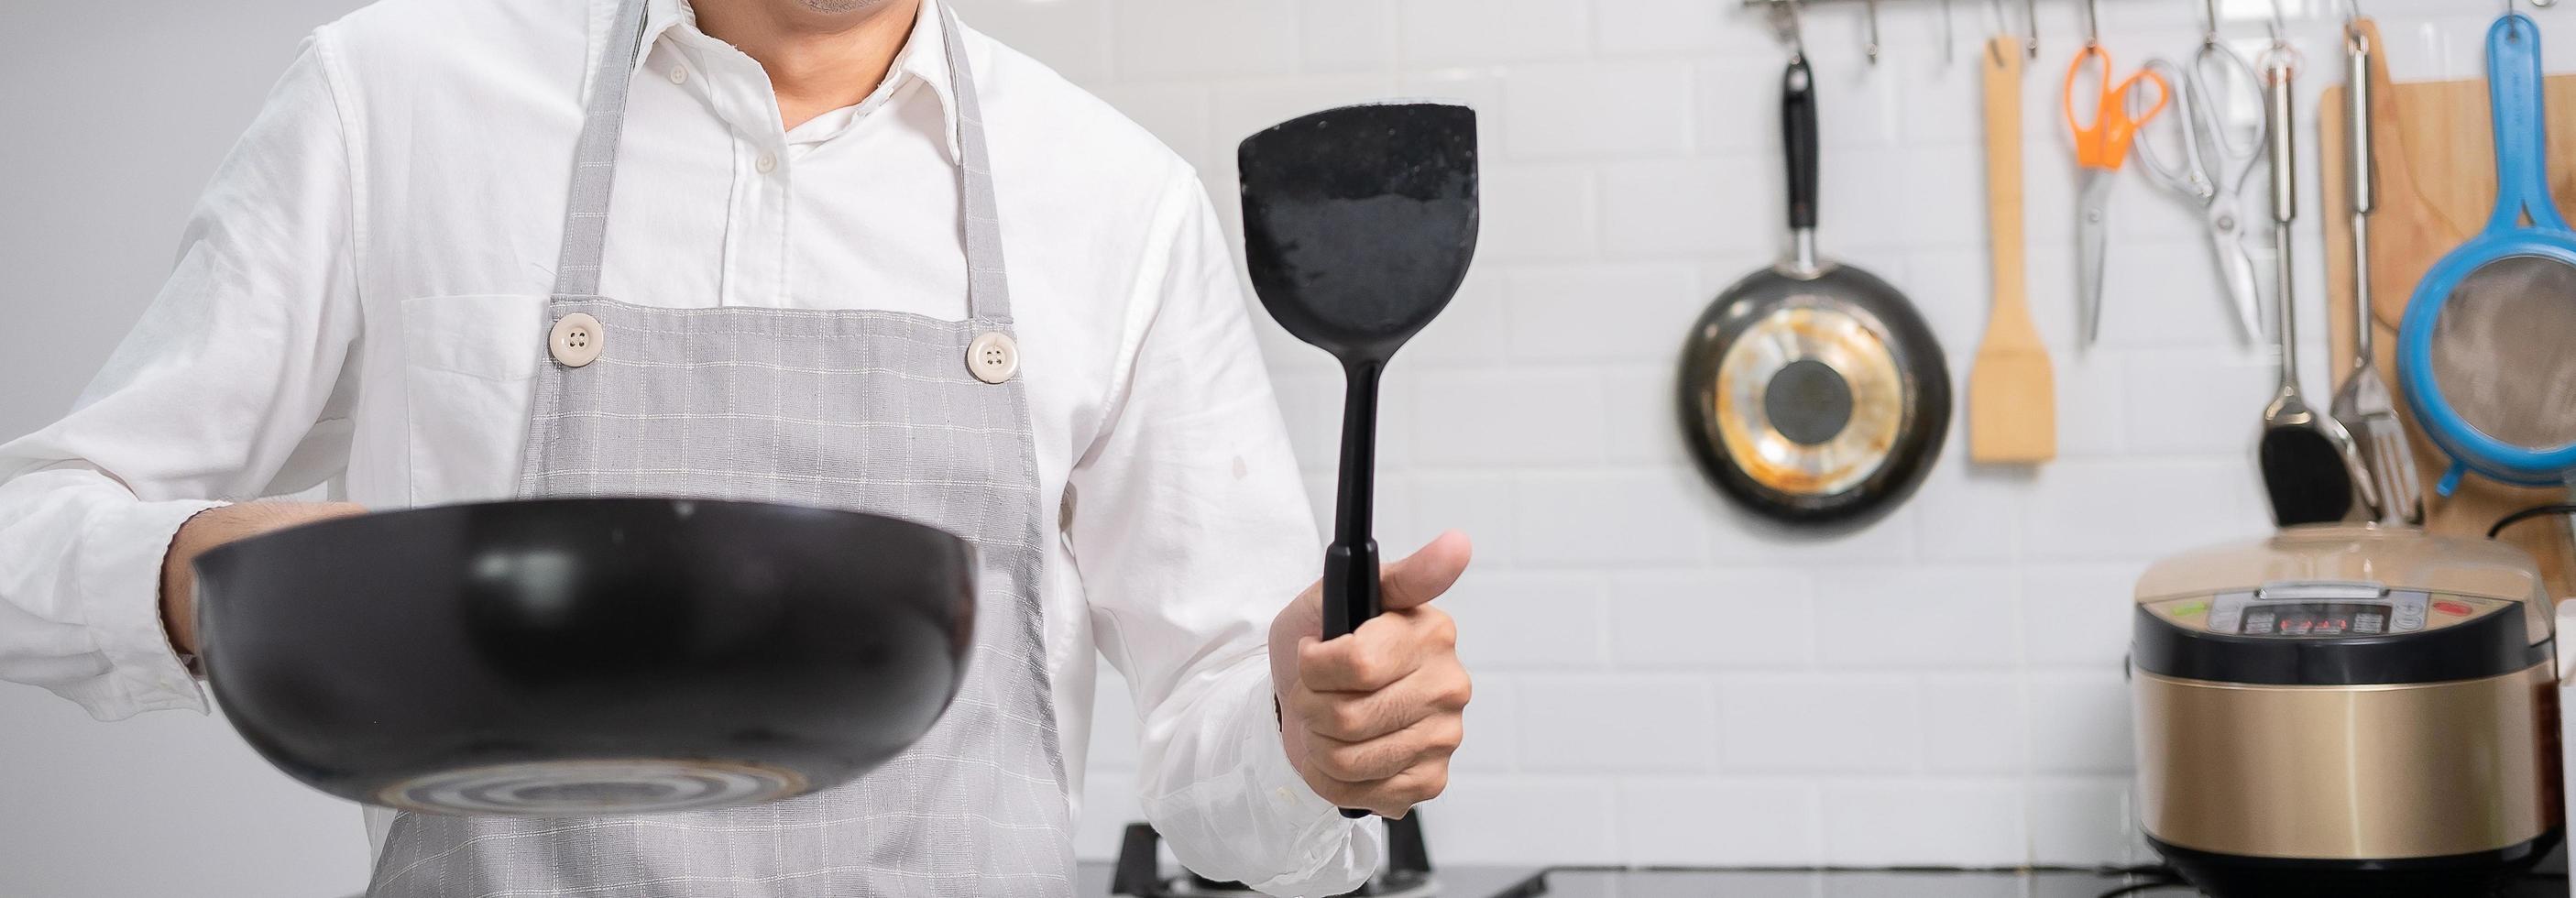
(573, 657)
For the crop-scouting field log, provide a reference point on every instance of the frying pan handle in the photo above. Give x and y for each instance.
(2513, 86)
(1798, 136)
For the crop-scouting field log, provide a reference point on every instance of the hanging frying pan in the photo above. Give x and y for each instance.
(576, 657)
(1812, 392)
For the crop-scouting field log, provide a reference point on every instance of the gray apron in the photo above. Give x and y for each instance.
(877, 411)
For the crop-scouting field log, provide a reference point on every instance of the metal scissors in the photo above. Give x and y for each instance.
(2223, 134)
(2100, 147)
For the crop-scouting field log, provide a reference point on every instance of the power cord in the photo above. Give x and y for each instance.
(2529, 513)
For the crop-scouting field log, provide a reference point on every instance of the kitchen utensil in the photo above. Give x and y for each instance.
(2219, 144)
(2012, 391)
(2311, 466)
(2363, 405)
(1358, 226)
(1811, 392)
(2346, 710)
(2434, 152)
(579, 657)
(2101, 146)
(2487, 350)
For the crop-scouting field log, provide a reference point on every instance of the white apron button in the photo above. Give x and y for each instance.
(576, 340)
(993, 357)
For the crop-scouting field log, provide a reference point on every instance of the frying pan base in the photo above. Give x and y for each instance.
(580, 788)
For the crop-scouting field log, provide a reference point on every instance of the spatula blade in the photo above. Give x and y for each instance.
(1360, 222)
(2012, 406)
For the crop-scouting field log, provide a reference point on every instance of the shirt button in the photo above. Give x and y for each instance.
(575, 340)
(679, 75)
(993, 357)
(766, 163)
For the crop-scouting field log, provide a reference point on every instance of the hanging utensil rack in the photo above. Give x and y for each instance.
(2029, 14)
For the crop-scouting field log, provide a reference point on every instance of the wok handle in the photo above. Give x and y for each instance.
(1798, 138)
(1351, 588)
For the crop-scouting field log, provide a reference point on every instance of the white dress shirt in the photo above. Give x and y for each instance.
(356, 292)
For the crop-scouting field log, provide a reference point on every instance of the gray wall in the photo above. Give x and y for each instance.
(113, 116)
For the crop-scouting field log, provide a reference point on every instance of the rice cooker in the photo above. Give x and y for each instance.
(2346, 710)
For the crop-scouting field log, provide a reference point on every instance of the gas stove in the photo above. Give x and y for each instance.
(1408, 873)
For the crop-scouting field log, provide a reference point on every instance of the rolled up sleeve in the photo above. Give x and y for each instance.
(213, 397)
(1192, 532)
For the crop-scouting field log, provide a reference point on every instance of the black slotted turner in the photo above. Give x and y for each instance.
(1358, 226)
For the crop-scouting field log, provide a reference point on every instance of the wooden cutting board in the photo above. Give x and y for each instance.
(2437, 185)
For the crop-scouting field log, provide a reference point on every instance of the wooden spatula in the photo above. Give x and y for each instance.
(2012, 392)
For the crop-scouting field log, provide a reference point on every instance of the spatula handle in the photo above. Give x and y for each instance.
(1351, 590)
(1350, 586)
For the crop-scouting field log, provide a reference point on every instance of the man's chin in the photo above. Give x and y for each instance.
(842, 7)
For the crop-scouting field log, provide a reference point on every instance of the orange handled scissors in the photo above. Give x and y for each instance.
(2100, 147)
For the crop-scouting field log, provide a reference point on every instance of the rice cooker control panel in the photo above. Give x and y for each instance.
(2323, 611)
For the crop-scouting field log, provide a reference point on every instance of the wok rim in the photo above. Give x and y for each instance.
(390, 516)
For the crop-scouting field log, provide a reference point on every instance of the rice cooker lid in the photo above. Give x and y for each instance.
(2342, 605)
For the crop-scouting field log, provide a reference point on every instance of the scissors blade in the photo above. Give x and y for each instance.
(2236, 266)
(2093, 237)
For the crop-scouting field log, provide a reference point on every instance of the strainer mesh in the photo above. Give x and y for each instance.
(2504, 351)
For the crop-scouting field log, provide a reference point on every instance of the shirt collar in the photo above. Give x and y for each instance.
(924, 56)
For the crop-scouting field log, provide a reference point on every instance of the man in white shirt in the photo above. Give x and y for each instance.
(375, 290)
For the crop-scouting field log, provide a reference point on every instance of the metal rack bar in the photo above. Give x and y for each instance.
(1752, 4)
(1785, 16)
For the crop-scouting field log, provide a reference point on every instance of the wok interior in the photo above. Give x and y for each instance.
(358, 651)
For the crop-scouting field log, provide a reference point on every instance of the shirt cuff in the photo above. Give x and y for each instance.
(1325, 848)
(121, 554)
(1252, 819)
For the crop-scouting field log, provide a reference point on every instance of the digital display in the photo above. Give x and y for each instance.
(2322, 619)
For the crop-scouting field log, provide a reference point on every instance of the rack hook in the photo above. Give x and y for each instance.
(1870, 48)
(2092, 23)
(1784, 19)
(2003, 26)
(2030, 18)
(2282, 51)
(1949, 37)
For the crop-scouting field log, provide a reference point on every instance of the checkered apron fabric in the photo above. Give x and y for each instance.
(863, 410)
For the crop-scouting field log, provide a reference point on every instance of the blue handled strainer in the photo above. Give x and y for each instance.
(2487, 351)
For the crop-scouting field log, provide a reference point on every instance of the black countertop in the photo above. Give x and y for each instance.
(1488, 882)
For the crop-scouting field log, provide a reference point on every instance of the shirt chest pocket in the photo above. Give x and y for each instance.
(469, 374)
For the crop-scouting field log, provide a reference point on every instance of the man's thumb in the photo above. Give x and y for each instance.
(1425, 574)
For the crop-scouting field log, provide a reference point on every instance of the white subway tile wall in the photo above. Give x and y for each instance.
(1663, 678)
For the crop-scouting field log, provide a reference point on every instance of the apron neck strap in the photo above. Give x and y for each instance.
(585, 230)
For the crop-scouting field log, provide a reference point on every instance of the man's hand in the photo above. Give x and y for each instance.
(1370, 719)
(214, 527)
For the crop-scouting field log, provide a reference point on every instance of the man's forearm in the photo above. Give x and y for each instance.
(215, 527)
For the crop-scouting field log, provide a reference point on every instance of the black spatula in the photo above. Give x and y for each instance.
(1358, 224)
